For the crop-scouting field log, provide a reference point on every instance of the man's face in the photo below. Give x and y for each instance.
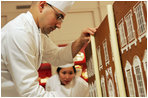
(66, 75)
(48, 20)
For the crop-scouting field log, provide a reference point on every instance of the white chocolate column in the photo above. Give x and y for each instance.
(115, 49)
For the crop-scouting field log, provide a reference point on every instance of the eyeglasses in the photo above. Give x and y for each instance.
(59, 16)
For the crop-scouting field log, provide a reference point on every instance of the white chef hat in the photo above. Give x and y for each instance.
(64, 6)
(67, 65)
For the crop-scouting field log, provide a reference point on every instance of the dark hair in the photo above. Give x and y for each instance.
(59, 68)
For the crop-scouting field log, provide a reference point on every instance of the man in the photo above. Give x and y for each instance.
(24, 44)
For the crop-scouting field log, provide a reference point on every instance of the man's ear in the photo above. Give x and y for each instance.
(41, 5)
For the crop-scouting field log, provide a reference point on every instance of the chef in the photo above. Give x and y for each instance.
(67, 83)
(25, 43)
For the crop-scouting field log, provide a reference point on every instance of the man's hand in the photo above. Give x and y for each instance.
(84, 37)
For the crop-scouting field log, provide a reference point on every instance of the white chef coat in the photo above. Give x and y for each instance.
(23, 48)
(77, 88)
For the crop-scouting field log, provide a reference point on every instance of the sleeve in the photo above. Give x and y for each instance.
(21, 57)
(47, 87)
(55, 55)
(83, 87)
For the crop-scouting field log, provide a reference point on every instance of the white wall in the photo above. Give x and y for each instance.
(82, 14)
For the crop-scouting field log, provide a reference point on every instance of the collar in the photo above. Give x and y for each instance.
(31, 21)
